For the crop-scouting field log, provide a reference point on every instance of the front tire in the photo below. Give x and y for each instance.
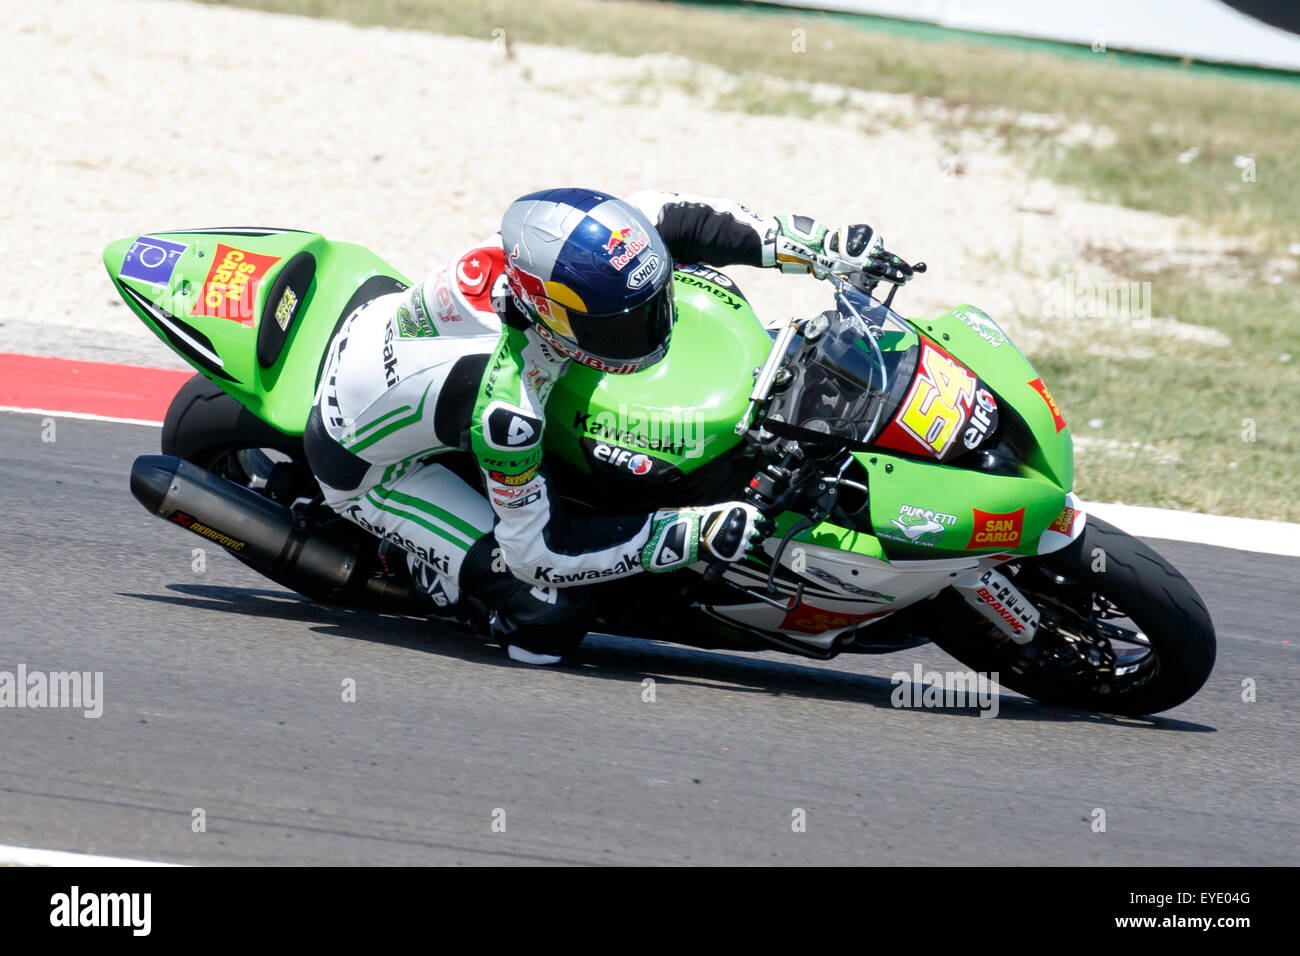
(1084, 656)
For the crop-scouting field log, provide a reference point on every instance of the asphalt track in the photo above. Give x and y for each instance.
(224, 692)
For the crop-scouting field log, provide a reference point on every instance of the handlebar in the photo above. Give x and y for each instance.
(770, 491)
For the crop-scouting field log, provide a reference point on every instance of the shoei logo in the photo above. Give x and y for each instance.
(643, 273)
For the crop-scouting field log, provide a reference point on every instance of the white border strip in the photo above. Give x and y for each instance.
(1240, 534)
(31, 856)
(86, 415)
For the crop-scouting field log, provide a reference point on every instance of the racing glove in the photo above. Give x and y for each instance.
(681, 536)
(805, 245)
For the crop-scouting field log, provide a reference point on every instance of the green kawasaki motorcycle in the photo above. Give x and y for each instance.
(918, 473)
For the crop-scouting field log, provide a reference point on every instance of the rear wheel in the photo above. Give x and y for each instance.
(209, 428)
(1121, 630)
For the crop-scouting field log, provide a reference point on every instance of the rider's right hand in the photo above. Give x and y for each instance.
(727, 532)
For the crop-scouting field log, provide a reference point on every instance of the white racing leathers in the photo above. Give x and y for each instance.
(450, 365)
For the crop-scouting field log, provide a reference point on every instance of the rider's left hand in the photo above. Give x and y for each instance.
(804, 243)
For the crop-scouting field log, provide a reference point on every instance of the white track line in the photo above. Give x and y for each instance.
(1241, 534)
(31, 856)
(1221, 531)
(86, 415)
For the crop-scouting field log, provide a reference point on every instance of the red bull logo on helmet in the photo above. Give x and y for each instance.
(616, 238)
(631, 245)
(527, 286)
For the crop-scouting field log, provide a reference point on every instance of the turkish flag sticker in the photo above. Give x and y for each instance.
(475, 272)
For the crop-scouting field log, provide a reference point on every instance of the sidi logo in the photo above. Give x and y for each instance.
(74, 908)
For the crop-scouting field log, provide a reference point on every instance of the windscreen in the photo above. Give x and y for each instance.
(847, 380)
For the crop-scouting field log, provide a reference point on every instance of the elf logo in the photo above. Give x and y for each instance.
(634, 462)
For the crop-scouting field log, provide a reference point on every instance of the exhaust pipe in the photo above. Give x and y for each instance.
(254, 528)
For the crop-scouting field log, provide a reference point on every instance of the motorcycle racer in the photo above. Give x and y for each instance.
(465, 361)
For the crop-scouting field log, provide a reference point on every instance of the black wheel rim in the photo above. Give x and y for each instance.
(1086, 640)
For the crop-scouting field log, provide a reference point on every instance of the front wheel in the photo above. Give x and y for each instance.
(1121, 630)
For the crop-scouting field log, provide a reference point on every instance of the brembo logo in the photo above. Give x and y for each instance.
(1001, 610)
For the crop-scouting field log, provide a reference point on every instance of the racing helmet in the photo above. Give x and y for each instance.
(592, 275)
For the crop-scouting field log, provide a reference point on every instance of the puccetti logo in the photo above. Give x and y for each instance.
(979, 323)
(672, 431)
(996, 529)
(966, 690)
(917, 525)
(38, 690)
(124, 910)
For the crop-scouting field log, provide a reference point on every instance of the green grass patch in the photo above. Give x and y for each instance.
(1188, 425)
(1155, 114)
(1176, 423)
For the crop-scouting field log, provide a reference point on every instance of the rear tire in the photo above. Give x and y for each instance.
(203, 421)
(207, 427)
(1073, 661)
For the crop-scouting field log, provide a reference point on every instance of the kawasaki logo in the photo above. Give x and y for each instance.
(625, 564)
(596, 428)
(722, 295)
